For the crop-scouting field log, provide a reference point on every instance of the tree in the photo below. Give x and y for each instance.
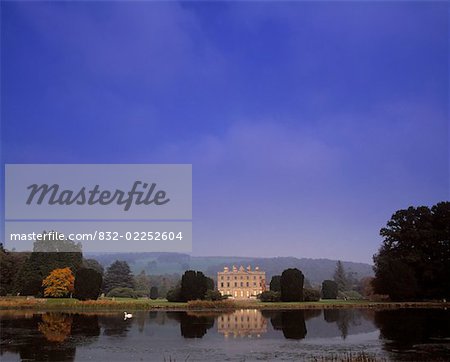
(174, 295)
(93, 264)
(121, 292)
(275, 283)
(340, 277)
(311, 295)
(292, 285)
(118, 275)
(47, 255)
(88, 284)
(153, 293)
(142, 283)
(329, 289)
(10, 265)
(213, 295)
(59, 283)
(50, 242)
(414, 259)
(193, 285)
(269, 296)
(210, 284)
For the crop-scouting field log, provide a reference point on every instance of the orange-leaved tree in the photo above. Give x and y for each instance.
(59, 283)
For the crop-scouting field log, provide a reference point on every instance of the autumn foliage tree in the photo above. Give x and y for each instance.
(59, 283)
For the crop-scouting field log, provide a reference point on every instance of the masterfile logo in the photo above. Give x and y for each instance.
(54, 196)
(98, 192)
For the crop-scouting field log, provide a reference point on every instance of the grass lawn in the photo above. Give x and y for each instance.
(116, 304)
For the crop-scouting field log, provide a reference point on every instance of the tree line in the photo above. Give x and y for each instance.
(413, 263)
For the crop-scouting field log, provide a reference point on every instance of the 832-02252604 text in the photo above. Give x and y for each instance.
(104, 235)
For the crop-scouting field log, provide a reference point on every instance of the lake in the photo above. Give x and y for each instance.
(242, 335)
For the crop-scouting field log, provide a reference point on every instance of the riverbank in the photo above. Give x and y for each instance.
(121, 304)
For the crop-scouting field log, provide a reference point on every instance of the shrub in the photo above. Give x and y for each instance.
(88, 283)
(207, 304)
(329, 289)
(174, 295)
(269, 296)
(213, 295)
(350, 295)
(311, 295)
(122, 293)
(141, 293)
(292, 285)
(153, 293)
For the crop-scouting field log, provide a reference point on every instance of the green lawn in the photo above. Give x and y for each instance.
(115, 304)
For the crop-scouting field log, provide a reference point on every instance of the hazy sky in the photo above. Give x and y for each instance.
(307, 124)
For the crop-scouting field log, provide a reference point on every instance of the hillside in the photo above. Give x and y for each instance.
(315, 270)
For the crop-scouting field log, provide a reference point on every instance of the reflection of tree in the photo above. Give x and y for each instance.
(343, 318)
(21, 335)
(55, 327)
(85, 328)
(115, 325)
(140, 318)
(404, 329)
(192, 325)
(312, 313)
(47, 337)
(331, 315)
(291, 322)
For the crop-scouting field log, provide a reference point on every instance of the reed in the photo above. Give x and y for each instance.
(206, 304)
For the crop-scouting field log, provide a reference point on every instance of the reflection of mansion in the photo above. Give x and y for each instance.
(241, 283)
(242, 323)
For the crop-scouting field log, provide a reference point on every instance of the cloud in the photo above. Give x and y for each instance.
(156, 43)
(256, 146)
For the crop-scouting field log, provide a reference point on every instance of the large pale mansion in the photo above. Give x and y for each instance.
(241, 283)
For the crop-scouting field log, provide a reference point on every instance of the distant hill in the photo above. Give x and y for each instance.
(315, 270)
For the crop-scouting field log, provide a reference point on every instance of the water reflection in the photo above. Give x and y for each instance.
(291, 323)
(427, 332)
(193, 325)
(46, 337)
(242, 323)
(344, 319)
(55, 327)
(398, 334)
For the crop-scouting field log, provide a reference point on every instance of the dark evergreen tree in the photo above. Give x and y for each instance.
(118, 275)
(340, 277)
(210, 284)
(153, 293)
(194, 285)
(275, 283)
(329, 289)
(10, 265)
(93, 264)
(88, 284)
(292, 285)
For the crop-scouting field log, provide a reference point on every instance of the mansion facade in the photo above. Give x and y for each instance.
(241, 283)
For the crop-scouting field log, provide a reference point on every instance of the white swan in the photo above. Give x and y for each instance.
(127, 315)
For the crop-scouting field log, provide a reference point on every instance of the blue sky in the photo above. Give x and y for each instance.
(307, 124)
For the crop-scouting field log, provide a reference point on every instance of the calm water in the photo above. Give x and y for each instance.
(410, 334)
